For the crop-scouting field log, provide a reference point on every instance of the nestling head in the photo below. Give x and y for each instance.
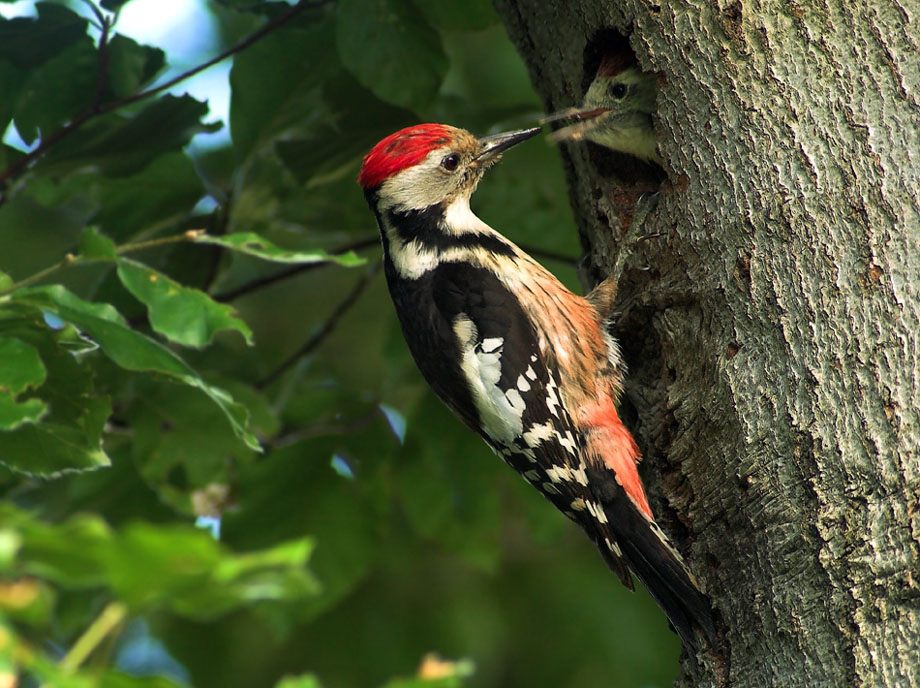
(626, 92)
(617, 109)
(425, 164)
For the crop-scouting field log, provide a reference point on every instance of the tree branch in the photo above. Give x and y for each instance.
(325, 330)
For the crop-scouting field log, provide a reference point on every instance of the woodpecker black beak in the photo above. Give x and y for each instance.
(490, 147)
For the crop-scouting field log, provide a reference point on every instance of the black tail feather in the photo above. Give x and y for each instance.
(659, 567)
(671, 584)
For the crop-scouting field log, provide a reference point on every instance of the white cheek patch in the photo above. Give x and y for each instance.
(501, 411)
(419, 186)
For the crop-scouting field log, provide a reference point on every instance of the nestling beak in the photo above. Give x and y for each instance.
(490, 147)
(576, 114)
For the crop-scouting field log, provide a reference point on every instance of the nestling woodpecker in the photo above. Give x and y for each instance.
(617, 109)
(520, 359)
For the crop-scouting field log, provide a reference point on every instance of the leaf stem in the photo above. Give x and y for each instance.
(110, 617)
(76, 259)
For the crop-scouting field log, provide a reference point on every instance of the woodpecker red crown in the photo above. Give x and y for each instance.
(399, 151)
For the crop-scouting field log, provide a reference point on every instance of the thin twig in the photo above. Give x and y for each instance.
(280, 20)
(102, 70)
(325, 329)
(100, 17)
(19, 166)
(548, 255)
(293, 271)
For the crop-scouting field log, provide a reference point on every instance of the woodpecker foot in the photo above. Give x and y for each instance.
(646, 203)
(604, 294)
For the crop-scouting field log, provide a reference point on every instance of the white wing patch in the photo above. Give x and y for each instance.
(501, 412)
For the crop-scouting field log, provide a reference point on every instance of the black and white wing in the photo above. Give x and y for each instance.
(489, 369)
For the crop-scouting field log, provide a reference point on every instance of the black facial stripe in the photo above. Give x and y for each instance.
(426, 227)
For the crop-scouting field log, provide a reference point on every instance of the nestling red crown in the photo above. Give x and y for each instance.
(399, 151)
(616, 62)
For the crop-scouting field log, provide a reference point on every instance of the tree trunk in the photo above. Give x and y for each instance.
(772, 329)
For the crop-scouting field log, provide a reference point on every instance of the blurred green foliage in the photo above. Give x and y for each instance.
(176, 344)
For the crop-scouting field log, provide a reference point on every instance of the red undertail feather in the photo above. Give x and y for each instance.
(616, 446)
(399, 151)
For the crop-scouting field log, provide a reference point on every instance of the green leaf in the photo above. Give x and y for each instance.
(305, 681)
(274, 83)
(49, 448)
(459, 15)
(254, 245)
(130, 64)
(34, 235)
(57, 91)
(118, 145)
(359, 120)
(5, 281)
(161, 193)
(27, 41)
(95, 245)
(113, 5)
(132, 350)
(174, 436)
(149, 566)
(442, 498)
(186, 316)
(11, 81)
(69, 436)
(13, 413)
(295, 490)
(449, 682)
(20, 366)
(195, 577)
(390, 48)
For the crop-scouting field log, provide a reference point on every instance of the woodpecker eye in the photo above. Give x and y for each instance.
(450, 162)
(617, 91)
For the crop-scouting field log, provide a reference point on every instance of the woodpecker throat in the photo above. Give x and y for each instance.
(521, 360)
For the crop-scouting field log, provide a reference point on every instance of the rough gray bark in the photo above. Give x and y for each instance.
(773, 339)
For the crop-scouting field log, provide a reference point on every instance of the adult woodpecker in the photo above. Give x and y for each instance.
(617, 109)
(520, 359)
